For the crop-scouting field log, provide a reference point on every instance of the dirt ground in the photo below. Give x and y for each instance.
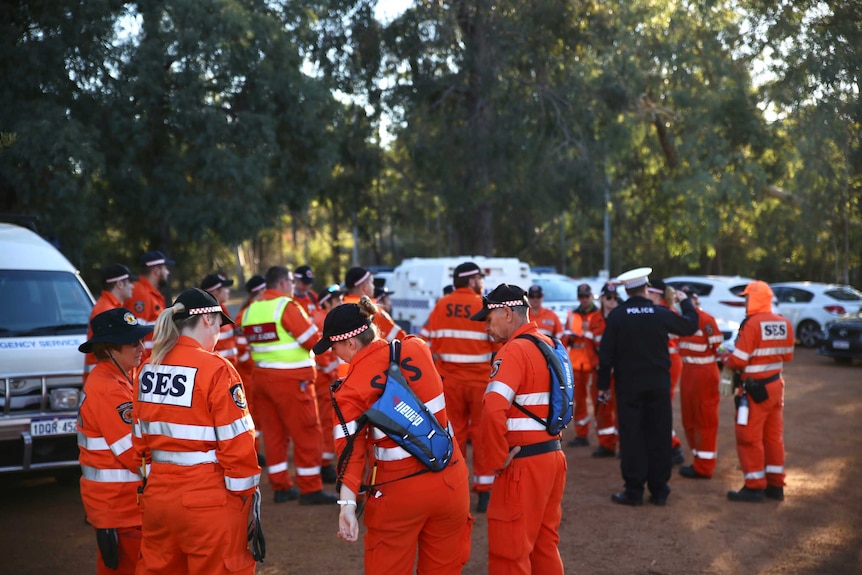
(816, 530)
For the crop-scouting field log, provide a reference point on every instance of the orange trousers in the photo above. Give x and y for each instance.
(193, 524)
(760, 443)
(524, 516)
(324, 411)
(428, 515)
(129, 547)
(699, 401)
(582, 411)
(675, 374)
(288, 410)
(464, 409)
(606, 418)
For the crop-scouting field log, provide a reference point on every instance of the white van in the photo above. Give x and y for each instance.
(44, 310)
(418, 283)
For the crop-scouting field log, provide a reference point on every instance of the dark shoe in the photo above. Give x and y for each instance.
(327, 473)
(484, 498)
(747, 495)
(603, 452)
(676, 456)
(291, 494)
(261, 460)
(773, 492)
(579, 442)
(688, 471)
(660, 501)
(624, 499)
(318, 498)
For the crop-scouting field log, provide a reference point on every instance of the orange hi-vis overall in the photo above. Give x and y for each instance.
(281, 336)
(579, 340)
(698, 392)
(764, 343)
(525, 509)
(107, 301)
(462, 353)
(147, 302)
(226, 345)
(606, 415)
(409, 509)
(326, 366)
(192, 421)
(547, 321)
(109, 476)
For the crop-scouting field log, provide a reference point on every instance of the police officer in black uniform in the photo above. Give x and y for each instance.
(634, 346)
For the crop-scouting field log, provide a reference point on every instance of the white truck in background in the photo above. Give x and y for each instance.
(418, 283)
(44, 310)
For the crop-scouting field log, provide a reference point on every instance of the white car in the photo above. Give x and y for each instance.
(719, 296)
(810, 305)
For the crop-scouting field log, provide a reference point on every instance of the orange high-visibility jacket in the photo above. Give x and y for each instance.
(580, 338)
(146, 303)
(461, 348)
(226, 345)
(547, 321)
(387, 327)
(701, 347)
(109, 473)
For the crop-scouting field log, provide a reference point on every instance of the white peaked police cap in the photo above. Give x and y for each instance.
(635, 278)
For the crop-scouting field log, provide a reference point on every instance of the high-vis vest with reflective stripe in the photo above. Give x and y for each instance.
(271, 345)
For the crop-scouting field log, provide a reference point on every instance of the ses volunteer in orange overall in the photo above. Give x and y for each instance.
(359, 282)
(281, 336)
(326, 364)
(462, 353)
(116, 287)
(219, 286)
(698, 392)
(579, 340)
(109, 477)
(661, 294)
(146, 301)
(764, 343)
(254, 287)
(303, 279)
(606, 411)
(409, 509)
(525, 508)
(546, 319)
(191, 419)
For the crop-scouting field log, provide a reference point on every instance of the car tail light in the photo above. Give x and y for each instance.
(733, 303)
(835, 309)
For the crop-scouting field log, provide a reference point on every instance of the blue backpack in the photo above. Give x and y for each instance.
(562, 396)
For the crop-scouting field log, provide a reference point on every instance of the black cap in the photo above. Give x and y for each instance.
(609, 288)
(382, 291)
(304, 274)
(198, 302)
(356, 276)
(535, 291)
(504, 295)
(584, 289)
(341, 323)
(332, 291)
(116, 273)
(215, 281)
(467, 269)
(118, 326)
(156, 258)
(255, 283)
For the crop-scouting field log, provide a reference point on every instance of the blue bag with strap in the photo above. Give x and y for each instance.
(407, 420)
(562, 394)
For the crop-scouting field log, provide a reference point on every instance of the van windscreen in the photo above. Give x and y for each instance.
(42, 303)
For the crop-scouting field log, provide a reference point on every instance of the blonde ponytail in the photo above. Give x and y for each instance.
(166, 333)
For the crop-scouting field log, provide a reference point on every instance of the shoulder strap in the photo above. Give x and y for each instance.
(538, 344)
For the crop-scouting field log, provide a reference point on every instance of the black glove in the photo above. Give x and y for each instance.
(256, 541)
(106, 539)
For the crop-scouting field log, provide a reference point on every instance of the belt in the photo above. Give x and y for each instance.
(539, 448)
(769, 379)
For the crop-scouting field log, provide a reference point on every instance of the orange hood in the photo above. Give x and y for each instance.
(759, 297)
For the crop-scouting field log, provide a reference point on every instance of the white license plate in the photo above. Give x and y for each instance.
(53, 426)
(841, 344)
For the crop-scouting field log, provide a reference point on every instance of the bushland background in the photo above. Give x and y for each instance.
(701, 137)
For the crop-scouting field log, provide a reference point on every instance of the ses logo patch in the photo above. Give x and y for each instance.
(167, 385)
(773, 330)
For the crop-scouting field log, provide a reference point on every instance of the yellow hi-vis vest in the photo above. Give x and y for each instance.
(272, 346)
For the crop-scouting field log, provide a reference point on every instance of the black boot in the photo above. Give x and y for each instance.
(747, 495)
(773, 492)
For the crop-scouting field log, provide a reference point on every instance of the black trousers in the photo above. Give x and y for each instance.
(645, 423)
